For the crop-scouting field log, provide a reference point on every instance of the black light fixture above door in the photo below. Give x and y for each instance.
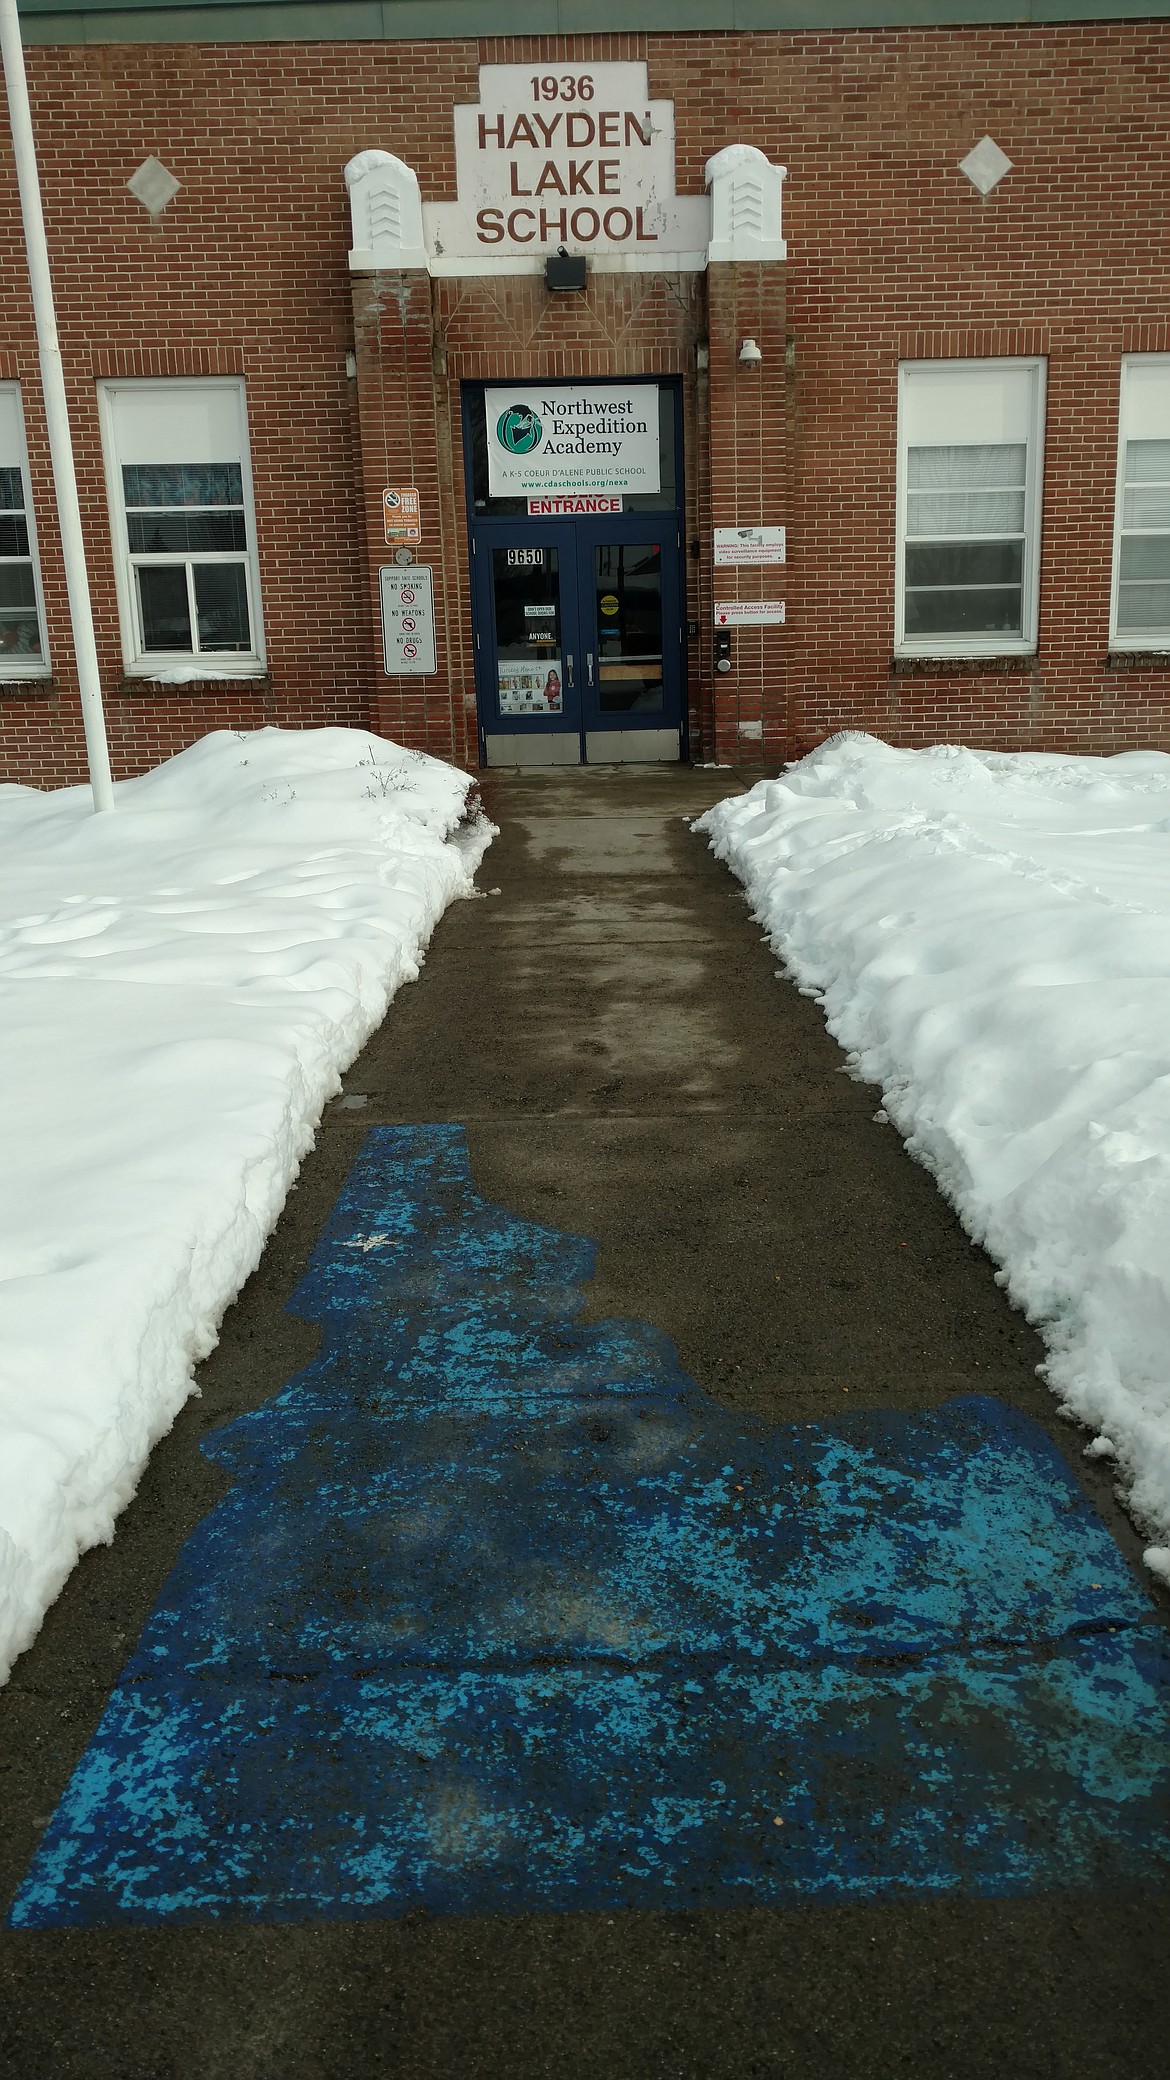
(564, 270)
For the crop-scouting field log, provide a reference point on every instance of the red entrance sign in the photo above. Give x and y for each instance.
(554, 503)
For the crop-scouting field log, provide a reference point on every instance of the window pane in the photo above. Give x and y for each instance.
(667, 493)
(166, 620)
(963, 563)
(1150, 508)
(965, 512)
(1146, 556)
(994, 611)
(13, 535)
(183, 484)
(160, 534)
(19, 635)
(16, 586)
(531, 671)
(1147, 462)
(627, 584)
(1144, 609)
(967, 468)
(11, 491)
(221, 602)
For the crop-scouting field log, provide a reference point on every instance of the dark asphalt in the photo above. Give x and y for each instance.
(609, 1029)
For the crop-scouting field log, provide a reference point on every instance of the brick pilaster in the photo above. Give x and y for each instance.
(748, 486)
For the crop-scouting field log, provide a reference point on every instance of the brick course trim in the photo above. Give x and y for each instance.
(128, 361)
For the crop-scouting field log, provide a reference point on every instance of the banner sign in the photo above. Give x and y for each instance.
(564, 440)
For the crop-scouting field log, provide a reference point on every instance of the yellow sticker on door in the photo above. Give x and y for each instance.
(608, 603)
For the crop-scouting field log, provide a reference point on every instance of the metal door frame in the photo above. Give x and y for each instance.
(486, 531)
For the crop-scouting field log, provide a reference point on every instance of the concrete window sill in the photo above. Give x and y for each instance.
(949, 667)
(155, 689)
(28, 689)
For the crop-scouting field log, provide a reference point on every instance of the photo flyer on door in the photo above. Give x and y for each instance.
(531, 686)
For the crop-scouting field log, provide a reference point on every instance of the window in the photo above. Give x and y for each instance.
(969, 455)
(177, 459)
(22, 644)
(1140, 618)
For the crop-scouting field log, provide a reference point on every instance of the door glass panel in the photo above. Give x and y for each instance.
(530, 668)
(628, 597)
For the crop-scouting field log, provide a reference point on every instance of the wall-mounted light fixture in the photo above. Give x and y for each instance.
(749, 354)
(564, 270)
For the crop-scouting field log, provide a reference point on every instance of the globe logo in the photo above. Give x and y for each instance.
(518, 429)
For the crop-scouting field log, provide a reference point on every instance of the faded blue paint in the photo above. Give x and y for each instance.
(504, 1614)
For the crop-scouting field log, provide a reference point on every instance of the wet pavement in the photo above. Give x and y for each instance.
(675, 1223)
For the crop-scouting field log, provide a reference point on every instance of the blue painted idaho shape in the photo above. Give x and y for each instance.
(503, 1614)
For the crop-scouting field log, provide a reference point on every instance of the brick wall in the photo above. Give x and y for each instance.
(893, 255)
(418, 342)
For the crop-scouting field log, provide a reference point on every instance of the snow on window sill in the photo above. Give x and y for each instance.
(138, 680)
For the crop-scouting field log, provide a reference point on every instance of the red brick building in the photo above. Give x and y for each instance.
(938, 388)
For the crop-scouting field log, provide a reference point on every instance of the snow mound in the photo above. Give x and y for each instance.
(989, 936)
(181, 985)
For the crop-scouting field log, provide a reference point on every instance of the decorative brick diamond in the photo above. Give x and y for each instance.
(153, 186)
(985, 164)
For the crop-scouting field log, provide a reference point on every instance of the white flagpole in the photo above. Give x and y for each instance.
(56, 409)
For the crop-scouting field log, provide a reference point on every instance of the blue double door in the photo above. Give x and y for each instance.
(579, 640)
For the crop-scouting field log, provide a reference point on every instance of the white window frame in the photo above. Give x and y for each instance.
(994, 643)
(152, 664)
(18, 667)
(1143, 639)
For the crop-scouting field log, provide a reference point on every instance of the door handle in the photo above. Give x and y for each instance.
(569, 665)
(589, 665)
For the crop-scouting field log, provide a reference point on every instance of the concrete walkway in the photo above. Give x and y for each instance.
(607, 1028)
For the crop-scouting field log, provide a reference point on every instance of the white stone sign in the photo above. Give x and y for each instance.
(408, 618)
(559, 439)
(577, 156)
(750, 546)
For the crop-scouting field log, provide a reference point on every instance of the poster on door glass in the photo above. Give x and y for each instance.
(531, 686)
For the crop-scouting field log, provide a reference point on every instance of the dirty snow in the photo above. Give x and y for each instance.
(181, 985)
(989, 936)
